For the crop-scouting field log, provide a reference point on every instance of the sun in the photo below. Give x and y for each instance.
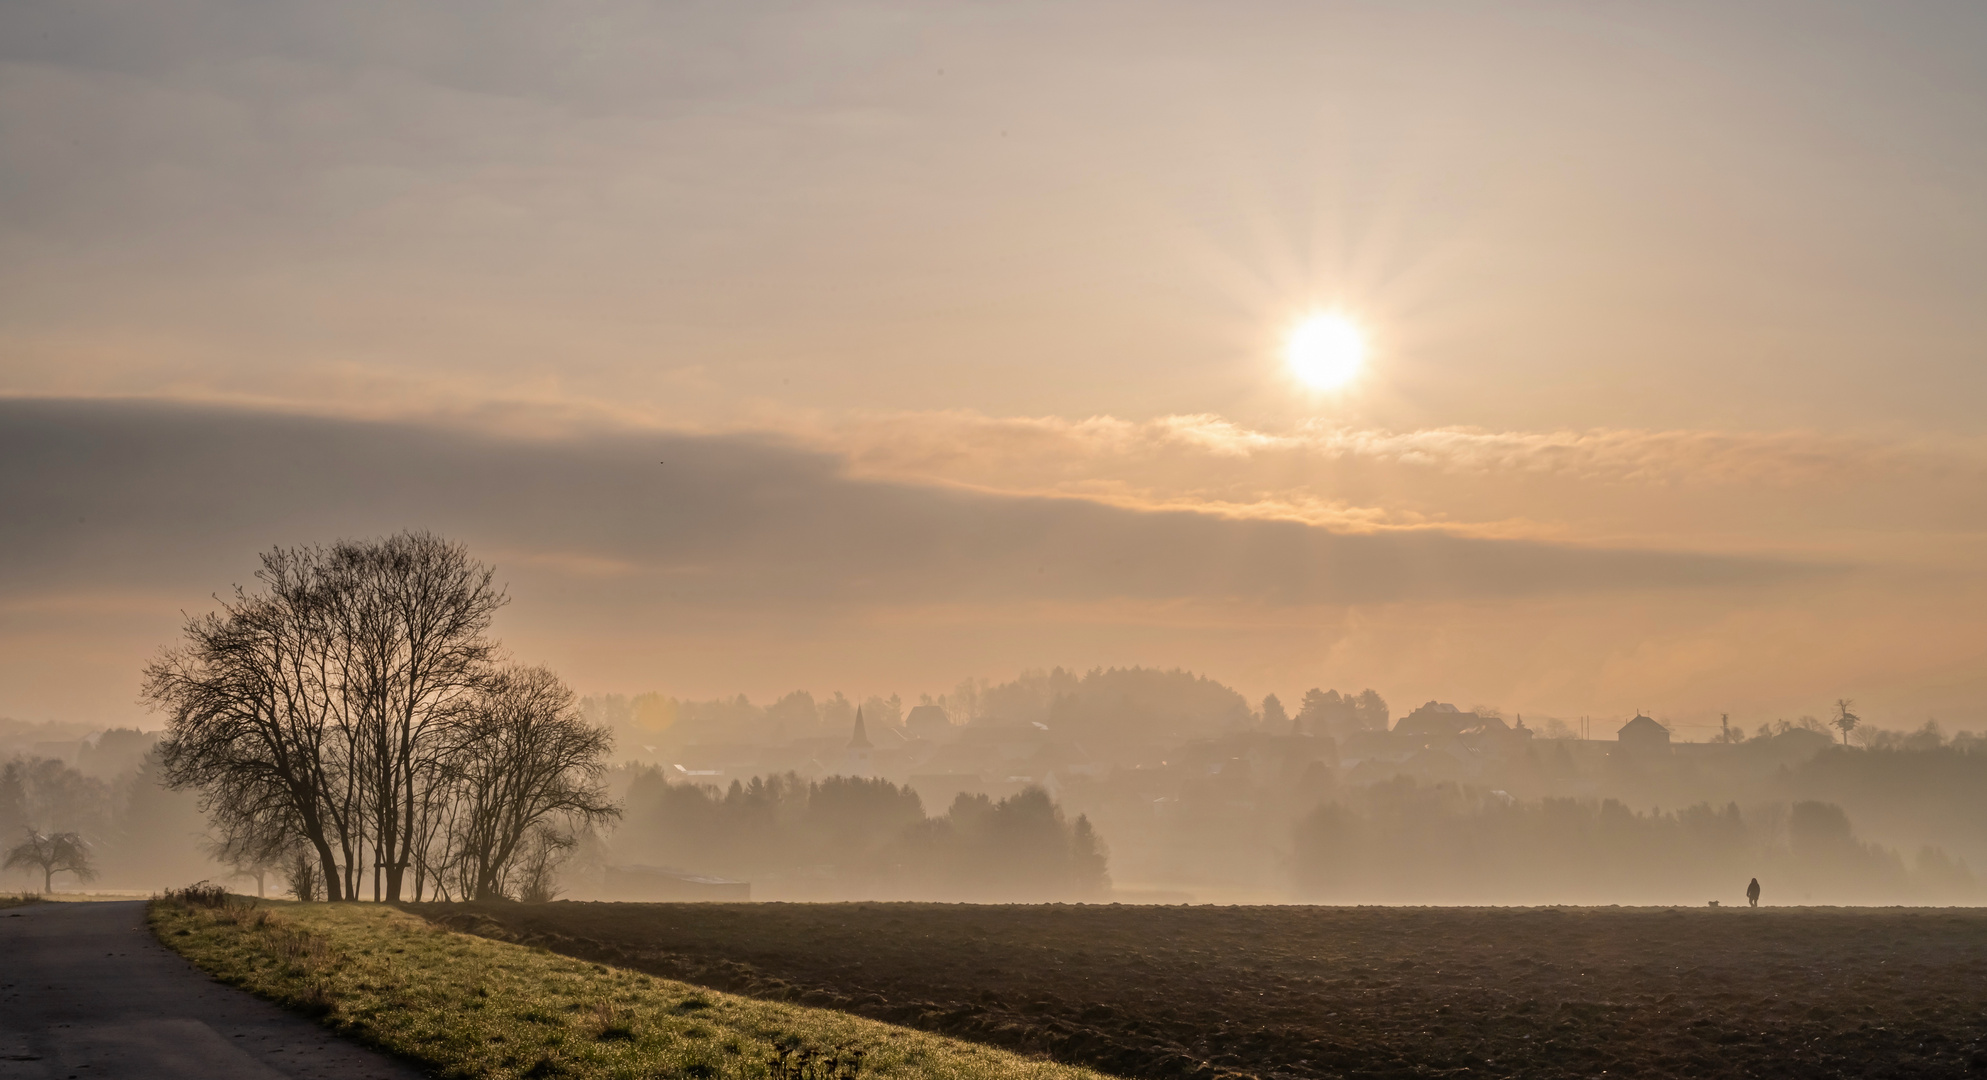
(1325, 350)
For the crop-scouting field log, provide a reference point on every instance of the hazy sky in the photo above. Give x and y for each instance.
(958, 326)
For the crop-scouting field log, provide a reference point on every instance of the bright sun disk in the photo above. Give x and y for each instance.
(1325, 350)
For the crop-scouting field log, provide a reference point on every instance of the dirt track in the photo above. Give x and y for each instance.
(1287, 992)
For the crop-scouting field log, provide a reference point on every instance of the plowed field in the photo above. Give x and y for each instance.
(1294, 992)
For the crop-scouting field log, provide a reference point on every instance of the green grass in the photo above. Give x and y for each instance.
(474, 1008)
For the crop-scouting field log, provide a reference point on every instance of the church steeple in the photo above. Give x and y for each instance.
(856, 759)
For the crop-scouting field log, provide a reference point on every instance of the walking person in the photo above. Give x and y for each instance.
(1752, 893)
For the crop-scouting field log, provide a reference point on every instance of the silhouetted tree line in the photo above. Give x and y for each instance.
(849, 836)
(659, 720)
(352, 714)
(1328, 712)
(47, 795)
(1400, 841)
(134, 832)
(1119, 713)
(1913, 786)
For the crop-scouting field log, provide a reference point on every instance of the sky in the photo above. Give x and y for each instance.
(874, 346)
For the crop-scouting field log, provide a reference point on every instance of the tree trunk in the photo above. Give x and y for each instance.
(328, 865)
(396, 873)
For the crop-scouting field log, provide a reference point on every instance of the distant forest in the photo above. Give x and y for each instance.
(847, 837)
(1111, 706)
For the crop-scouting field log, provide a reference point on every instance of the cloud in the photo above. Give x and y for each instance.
(1831, 495)
(935, 442)
(127, 494)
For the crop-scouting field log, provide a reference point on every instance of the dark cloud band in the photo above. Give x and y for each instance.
(134, 493)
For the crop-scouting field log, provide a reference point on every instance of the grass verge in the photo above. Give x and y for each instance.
(19, 900)
(473, 1008)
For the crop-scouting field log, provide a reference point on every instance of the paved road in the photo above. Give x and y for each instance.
(87, 992)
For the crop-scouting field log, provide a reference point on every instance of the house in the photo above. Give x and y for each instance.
(1643, 735)
(697, 776)
(1438, 740)
(928, 722)
(1435, 722)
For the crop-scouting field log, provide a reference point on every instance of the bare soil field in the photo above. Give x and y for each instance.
(1295, 992)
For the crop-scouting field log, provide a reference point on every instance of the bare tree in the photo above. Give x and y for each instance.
(350, 707)
(255, 721)
(251, 847)
(52, 854)
(412, 614)
(524, 759)
(250, 841)
(537, 864)
(1845, 720)
(303, 873)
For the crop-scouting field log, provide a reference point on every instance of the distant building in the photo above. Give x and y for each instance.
(928, 722)
(1380, 746)
(860, 757)
(704, 776)
(1438, 741)
(1436, 722)
(1643, 735)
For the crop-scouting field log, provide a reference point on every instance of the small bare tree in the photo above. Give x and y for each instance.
(1845, 720)
(303, 872)
(536, 867)
(52, 854)
(250, 844)
(257, 870)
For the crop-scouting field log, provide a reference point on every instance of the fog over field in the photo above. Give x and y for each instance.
(1141, 785)
(1290, 453)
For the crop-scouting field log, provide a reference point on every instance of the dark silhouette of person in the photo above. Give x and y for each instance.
(1752, 893)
